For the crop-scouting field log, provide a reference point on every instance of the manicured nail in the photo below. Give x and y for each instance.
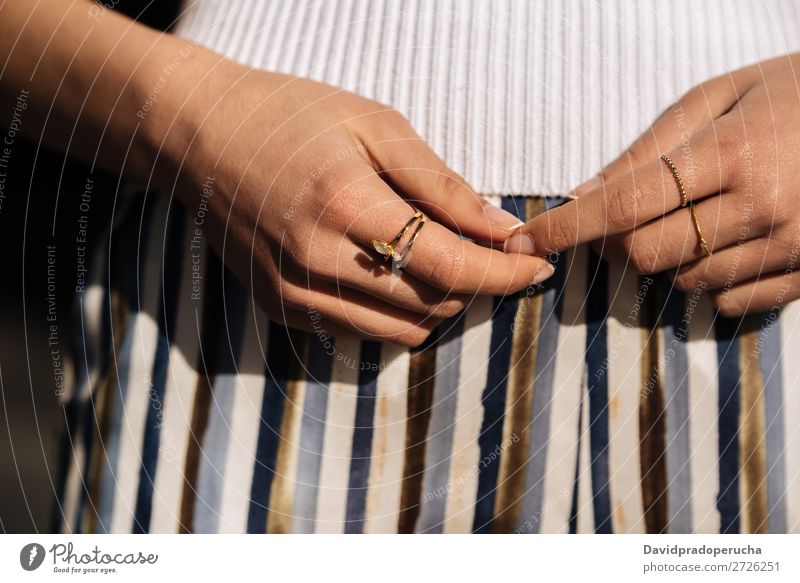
(543, 273)
(520, 243)
(501, 218)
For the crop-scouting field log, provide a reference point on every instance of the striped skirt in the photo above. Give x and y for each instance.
(602, 402)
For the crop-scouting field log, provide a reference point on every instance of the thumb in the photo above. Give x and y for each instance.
(419, 175)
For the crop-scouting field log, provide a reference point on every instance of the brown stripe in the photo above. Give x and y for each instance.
(281, 500)
(752, 443)
(104, 406)
(207, 355)
(421, 375)
(519, 400)
(651, 417)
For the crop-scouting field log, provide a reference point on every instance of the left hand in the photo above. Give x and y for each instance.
(735, 141)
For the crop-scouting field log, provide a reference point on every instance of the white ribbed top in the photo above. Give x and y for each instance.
(519, 97)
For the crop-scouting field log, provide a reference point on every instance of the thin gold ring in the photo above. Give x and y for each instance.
(389, 250)
(685, 202)
(677, 176)
(703, 243)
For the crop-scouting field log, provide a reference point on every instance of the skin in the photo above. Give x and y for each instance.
(300, 176)
(735, 141)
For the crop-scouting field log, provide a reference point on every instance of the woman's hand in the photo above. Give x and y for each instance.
(735, 141)
(300, 177)
(304, 176)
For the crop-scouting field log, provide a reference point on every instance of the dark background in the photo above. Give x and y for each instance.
(31, 421)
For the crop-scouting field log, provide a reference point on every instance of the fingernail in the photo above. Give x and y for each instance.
(543, 273)
(588, 186)
(501, 218)
(520, 243)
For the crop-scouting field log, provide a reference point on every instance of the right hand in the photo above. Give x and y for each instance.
(301, 176)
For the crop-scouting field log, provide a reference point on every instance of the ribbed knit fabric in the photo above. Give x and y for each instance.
(519, 97)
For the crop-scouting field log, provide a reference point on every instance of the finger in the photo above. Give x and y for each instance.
(647, 193)
(405, 161)
(347, 264)
(673, 240)
(768, 292)
(348, 309)
(325, 329)
(735, 264)
(679, 122)
(310, 322)
(439, 257)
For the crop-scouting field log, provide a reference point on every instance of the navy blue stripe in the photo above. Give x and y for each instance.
(597, 378)
(171, 275)
(728, 423)
(494, 396)
(279, 358)
(235, 297)
(362, 437)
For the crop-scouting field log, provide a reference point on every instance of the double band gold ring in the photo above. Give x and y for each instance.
(704, 246)
(389, 249)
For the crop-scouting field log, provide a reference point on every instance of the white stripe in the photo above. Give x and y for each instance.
(245, 424)
(473, 368)
(624, 378)
(338, 446)
(137, 399)
(790, 332)
(388, 443)
(178, 402)
(568, 379)
(701, 353)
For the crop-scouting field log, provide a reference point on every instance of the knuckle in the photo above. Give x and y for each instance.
(450, 186)
(391, 122)
(447, 308)
(334, 185)
(771, 212)
(623, 202)
(643, 256)
(730, 150)
(560, 233)
(690, 97)
(625, 242)
(412, 337)
(397, 116)
(782, 212)
(727, 306)
(686, 281)
(294, 252)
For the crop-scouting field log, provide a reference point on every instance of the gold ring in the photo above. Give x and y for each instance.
(684, 202)
(389, 248)
(703, 243)
(677, 176)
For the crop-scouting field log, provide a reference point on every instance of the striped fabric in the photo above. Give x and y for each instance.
(602, 402)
